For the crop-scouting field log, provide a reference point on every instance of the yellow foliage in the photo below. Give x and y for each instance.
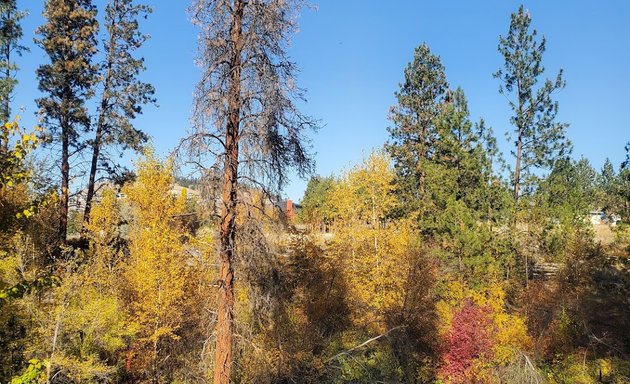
(10, 262)
(157, 269)
(77, 323)
(575, 368)
(511, 337)
(364, 195)
(19, 144)
(104, 229)
(373, 251)
(605, 367)
(510, 330)
(104, 218)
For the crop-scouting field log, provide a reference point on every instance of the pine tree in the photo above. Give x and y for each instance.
(246, 120)
(413, 133)
(123, 94)
(69, 40)
(459, 149)
(463, 196)
(569, 191)
(10, 35)
(538, 138)
(316, 208)
(608, 188)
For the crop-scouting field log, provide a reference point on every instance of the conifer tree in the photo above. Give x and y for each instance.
(609, 184)
(622, 186)
(464, 197)
(69, 40)
(123, 94)
(538, 138)
(459, 150)
(413, 132)
(316, 208)
(10, 35)
(246, 121)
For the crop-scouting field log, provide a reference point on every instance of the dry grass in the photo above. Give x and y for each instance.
(604, 233)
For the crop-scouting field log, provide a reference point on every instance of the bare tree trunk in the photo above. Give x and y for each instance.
(519, 142)
(4, 146)
(54, 344)
(526, 271)
(96, 146)
(65, 181)
(92, 180)
(517, 168)
(246, 72)
(422, 155)
(225, 301)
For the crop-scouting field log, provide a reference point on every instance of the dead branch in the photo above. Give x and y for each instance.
(363, 344)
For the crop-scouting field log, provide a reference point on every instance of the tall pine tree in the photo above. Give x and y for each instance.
(10, 35)
(538, 138)
(69, 40)
(123, 94)
(412, 135)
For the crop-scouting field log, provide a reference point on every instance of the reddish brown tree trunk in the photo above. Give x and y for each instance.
(96, 148)
(517, 168)
(65, 181)
(4, 145)
(519, 142)
(92, 179)
(225, 300)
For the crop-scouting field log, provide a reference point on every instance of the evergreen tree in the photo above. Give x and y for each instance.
(69, 40)
(607, 175)
(123, 94)
(464, 199)
(10, 35)
(569, 191)
(413, 132)
(316, 209)
(443, 164)
(607, 188)
(538, 138)
(459, 149)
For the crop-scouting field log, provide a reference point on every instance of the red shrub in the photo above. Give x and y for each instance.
(468, 339)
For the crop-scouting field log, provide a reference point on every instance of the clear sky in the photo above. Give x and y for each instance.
(352, 54)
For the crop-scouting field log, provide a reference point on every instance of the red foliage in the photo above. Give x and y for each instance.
(469, 338)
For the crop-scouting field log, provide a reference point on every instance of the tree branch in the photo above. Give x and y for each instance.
(363, 344)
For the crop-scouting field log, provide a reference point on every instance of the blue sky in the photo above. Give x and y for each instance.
(352, 54)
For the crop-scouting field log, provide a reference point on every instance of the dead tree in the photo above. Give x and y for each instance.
(246, 124)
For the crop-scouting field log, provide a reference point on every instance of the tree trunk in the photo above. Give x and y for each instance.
(526, 271)
(4, 146)
(65, 181)
(54, 344)
(519, 139)
(92, 180)
(100, 126)
(225, 301)
(421, 164)
(517, 168)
